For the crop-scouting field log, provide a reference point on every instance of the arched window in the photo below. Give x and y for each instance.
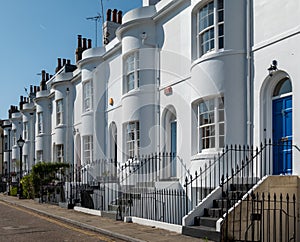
(284, 86)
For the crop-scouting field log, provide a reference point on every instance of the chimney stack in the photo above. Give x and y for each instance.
(113, 21)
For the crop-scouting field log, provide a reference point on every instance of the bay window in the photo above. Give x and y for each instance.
(211, 122)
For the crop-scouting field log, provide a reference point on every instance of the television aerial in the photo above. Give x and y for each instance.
(96, 19)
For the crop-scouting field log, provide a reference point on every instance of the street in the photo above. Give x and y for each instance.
(19, 224)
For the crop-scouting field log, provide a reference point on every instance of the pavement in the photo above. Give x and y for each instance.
(117, 229)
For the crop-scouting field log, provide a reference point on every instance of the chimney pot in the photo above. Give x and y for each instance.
(79, 41)
(58, 65)
(43, 75)
(114, 17)
(64, 61)
(84, 43)
(108, 15)
(31, 89)
(47, 76)
(89, 43)
(68, 62)
(119, 19)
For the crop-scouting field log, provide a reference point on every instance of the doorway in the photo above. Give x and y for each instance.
(282, 128)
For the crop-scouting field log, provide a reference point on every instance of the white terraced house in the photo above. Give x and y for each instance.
(185, 118)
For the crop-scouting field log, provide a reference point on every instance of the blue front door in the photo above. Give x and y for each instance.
(282, 135)
(173, 148)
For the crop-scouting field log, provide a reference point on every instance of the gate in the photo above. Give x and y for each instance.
(263, 218)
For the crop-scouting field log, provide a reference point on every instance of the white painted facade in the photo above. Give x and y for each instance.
(126, 98)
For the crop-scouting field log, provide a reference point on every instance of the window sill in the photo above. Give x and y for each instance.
(88, 112)
(132, 92)
(207, 154)
(59, 126)
(215, 54)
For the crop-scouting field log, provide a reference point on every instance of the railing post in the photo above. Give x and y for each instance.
(186, 196)
(196, 190)
(295, 218)
(274, 218)
(287, 217)
(280, 218)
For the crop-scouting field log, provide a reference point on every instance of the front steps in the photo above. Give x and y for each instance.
(205, 226)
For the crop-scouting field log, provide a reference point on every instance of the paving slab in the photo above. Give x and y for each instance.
(125, 231)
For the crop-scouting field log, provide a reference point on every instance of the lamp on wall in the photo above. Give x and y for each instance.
(272, 68)
(111, 101)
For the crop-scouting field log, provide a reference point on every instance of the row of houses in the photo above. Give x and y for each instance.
(177, 77)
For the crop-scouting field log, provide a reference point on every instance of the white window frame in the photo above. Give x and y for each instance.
(133, 139)
(14, 137)
(132, 71)
(60, 153)
(87, 104)
(210, 27)
(40, 127)
(25, 130)
(39, 155)
(88, 148)
(211, 123)
(59, 111)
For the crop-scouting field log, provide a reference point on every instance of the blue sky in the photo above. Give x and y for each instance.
(34, 33)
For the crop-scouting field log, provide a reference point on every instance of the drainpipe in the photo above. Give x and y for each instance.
(249, 78)
(157, 56)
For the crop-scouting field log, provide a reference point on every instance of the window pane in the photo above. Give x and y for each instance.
(220, 4)
(220, 16)
(221, 115)
(221, 129)
(221, 141)
(284, 86)
(130, 81)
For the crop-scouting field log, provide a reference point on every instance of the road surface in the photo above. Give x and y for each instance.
(18, 224)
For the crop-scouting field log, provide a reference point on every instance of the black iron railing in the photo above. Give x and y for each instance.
(263, 217)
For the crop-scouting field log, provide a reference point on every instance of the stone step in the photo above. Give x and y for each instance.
(208, 222)
(213, 212)
(206, 233)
